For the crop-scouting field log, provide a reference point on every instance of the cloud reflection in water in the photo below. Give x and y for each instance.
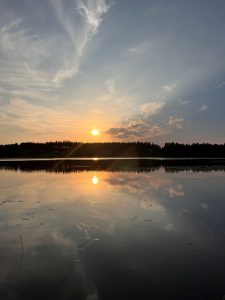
(72, 231)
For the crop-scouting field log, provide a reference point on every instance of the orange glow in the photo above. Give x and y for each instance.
(95, 132)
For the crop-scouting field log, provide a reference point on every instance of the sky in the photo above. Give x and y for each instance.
(148, 70)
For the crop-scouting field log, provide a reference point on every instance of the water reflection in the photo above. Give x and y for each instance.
(114, 165)
(95, 179)
(131, 235)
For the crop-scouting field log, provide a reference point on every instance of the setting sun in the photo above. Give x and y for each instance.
(95, 132)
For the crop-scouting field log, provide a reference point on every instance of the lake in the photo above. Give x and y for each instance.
(112, 229)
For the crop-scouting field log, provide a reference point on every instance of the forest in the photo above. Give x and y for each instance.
(114, 149)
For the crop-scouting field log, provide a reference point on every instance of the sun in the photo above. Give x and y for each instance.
(95, 132)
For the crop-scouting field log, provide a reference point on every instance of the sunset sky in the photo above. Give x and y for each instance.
(148, 70)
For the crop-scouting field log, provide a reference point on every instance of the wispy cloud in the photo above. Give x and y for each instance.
(203, 108)
(141, 48)
(21, 56)
(170, 87)
(80, 31)
(33, 65)
(221, 85)
(22, 120)
(176, 122)
(184, 102)
(111, 85)
(151, 108)
(92, 12)
(36, 119)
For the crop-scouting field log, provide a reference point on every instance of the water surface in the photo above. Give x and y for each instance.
(101, 232)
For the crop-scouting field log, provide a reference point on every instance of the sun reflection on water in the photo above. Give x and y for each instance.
(95, 179)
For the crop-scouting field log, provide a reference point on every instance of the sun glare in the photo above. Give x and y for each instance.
(95, 132)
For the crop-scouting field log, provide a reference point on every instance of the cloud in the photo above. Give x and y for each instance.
(184, 102)
(137, 130)
(221, 85)
(111, 85)
(152, 107)
(66, 73)
(32, 64)
(37, 119)
(81, 31)
(146, 124)
(203, 108)
(141, 48)
(92, 12)
(176, 122)
(170, 87)
(22, 54)
(140, 127)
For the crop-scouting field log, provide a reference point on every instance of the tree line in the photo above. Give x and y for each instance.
(114, 149)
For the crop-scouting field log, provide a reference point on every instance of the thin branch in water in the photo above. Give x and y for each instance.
(21, 261)
(21, 240)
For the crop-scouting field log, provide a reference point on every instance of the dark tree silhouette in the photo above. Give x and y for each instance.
(115, 149)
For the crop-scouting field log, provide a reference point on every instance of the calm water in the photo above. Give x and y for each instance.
(152, 234)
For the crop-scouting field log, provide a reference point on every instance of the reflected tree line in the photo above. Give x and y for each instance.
(114, 149)
(115, 165)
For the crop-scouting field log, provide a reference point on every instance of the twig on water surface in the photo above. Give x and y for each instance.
(21, 240)
(21, 261)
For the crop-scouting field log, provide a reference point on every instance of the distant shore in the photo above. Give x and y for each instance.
(115, 149)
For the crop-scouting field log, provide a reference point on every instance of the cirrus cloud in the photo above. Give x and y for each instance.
(32, 64)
